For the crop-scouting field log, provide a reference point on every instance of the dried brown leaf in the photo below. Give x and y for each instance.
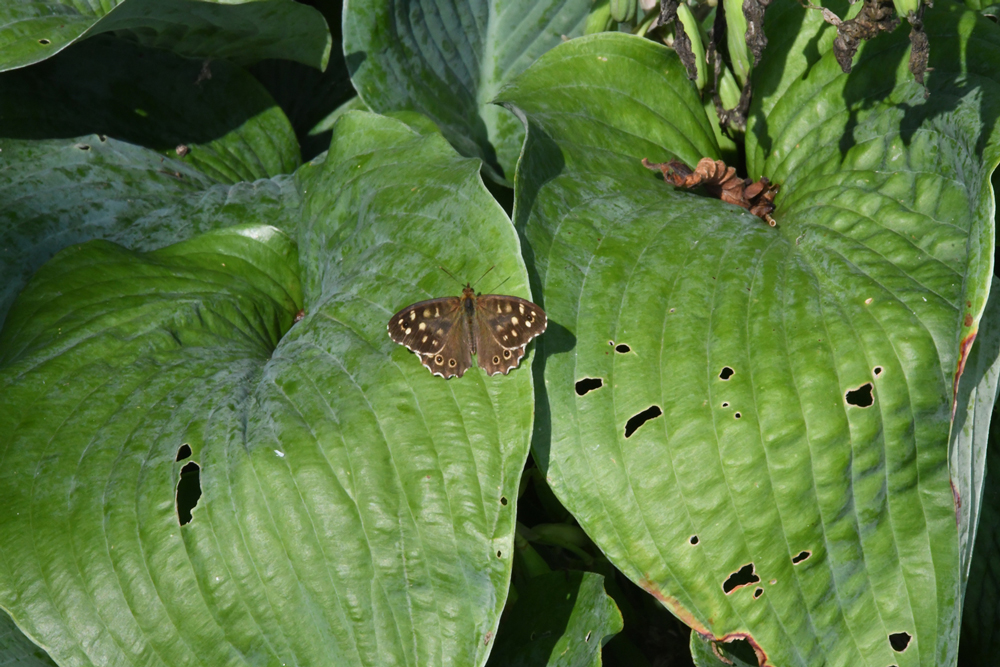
(720, 181)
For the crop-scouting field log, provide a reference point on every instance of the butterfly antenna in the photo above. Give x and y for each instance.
(484, 275)
(494, 290)
(451, 276)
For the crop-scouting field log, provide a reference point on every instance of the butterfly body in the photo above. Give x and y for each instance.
(445, 333)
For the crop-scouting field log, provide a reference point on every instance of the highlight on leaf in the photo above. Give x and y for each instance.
(720, 181)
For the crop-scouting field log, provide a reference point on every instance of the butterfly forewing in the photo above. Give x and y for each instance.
(504, 326)
(424, 327)
(436, 331)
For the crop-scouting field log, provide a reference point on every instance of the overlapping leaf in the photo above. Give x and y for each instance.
(355, 510)
(245, 32)
(448, 60)
(60, 184)
(753, 423)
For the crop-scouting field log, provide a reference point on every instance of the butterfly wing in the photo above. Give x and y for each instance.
(504, 326)
(437, 333)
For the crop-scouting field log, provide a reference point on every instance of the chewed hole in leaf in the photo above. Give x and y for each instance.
(742, 577)
(183, 452)
(737, 415)
(652, 412)
(694, 540)
(899, 641)
(726, 373)
(622, 348)
(802, 555)
(588, 384)
(757, 593)
(587, 638)
(725, 404)
(44, 42)
(877, 371)
(503, 500)
(860, 397)
(188, 491)
(499, 554)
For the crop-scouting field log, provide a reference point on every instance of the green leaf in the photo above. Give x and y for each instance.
(231, 127)
(707, 654)
(244, 32)
(354, 509)
(58, 192)
(727, 462)
(448, 60)
(560, 619)
(980, 497)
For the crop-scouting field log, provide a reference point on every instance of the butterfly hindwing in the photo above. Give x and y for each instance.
(504, 326)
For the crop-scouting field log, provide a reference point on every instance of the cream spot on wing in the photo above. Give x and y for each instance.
(402, 321)
(440, 332)
(408, 330)
(424, 339)
(513, 333)
(505, 337)
(437, 312)
(499, 328)
(413, 315)
(427, 312)
(508, 308)
(513, 320)
(520, 308)
(499, 310)
(422, 326)
(527, 323)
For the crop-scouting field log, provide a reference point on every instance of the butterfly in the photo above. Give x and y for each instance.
(445, 333)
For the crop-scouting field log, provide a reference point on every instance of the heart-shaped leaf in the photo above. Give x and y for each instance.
(448, 61)
(244, 32)
(353, 509)
(753, 422)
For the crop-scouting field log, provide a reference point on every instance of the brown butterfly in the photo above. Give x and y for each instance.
(445, 333)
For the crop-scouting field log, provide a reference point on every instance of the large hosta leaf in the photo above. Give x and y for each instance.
(753, 422)
(448, 60)
(355, 510)
(61, 185)
(245, 32)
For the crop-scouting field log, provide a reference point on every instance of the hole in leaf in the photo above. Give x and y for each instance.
(183, 452)
(499, 554)
(622, 348)
(725, 404)
(652, 412)
(877, 370)
(44, 42)
(693, 540)
(188, 491)
(83, 147)
(899, 641)
(587, 638)
(588, 384)
(861, 397)
(743, 577)
(801, 557)
(503, 500)
(757, 593)
(726, 373)
(737, 415)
